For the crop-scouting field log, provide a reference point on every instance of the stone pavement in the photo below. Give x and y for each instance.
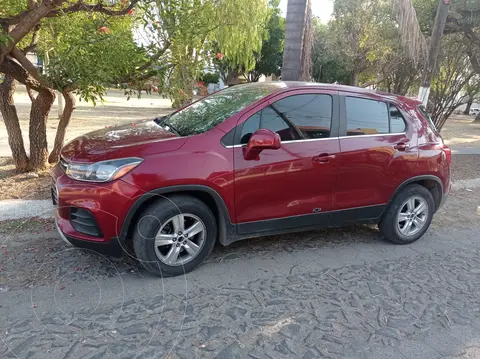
(369, 299)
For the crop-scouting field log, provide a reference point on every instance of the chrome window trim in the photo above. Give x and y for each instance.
(375, 135)
(329, 138)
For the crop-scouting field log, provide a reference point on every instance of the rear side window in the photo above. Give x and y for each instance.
(366, 117)
(397, 123)
(311, 114)
(425, 114)
(370, 117)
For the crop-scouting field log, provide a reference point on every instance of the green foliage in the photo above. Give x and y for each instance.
(210, 78)
(328, 65)
(87, 51)
(362, 33)
(190, 29)
(271, 57)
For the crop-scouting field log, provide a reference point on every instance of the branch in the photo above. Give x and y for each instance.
(34, 41)
(29, 67)
(474, 60)
(81, 6)
(13, 69)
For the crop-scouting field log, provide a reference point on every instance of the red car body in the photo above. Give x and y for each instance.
(345, 178)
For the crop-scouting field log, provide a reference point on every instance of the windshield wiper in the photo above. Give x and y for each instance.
(162, 121)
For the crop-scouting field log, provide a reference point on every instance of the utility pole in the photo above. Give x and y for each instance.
(433, 50)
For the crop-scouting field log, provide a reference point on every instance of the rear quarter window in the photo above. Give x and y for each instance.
(425, 114)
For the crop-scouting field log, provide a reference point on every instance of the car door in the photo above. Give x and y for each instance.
(292, 186)
(378, 151)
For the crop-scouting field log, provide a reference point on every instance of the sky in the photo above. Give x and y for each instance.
(321, 8)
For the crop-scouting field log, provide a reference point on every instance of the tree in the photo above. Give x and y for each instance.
(328, 65)
(472, 89)
(362, 33)
(269, 61)
(454, 73)
(298, 41)
(192, 29)
(21, 27)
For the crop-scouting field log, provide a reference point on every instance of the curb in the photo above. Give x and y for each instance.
(18, 209)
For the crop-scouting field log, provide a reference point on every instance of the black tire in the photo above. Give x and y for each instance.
(160, 212)
(388, 224)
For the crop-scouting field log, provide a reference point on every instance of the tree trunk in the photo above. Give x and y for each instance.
(434, 48)
(12, 123)
(294, 55)
(469, 104)
(70, 106)
(38, 128)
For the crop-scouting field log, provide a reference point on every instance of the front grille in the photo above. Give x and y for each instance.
(83, 221)
(54, 193)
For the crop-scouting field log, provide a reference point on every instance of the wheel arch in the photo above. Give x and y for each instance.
(432, 183)
(206, 194)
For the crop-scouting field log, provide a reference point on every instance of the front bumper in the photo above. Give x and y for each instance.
(113, 247)
(107, 202)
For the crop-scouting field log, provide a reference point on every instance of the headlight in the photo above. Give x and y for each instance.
(103, 171)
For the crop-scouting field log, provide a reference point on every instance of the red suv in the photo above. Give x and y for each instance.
(252, 160)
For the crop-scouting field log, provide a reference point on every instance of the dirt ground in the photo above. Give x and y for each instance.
(460, 131)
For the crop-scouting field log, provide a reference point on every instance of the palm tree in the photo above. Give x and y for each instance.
(297, 62)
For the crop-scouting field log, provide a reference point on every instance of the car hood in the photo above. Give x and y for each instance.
(129, 140)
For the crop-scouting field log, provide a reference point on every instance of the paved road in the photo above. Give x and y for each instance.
(357, 298)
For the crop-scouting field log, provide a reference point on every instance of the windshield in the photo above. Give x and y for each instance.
(213, 110)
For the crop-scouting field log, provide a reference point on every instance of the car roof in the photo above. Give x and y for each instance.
(280, 86)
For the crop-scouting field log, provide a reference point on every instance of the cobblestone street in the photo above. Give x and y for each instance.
(340, 293)
(391, 302)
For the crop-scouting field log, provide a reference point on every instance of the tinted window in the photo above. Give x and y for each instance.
(397, 123)
(311, 114)
(249, 127)
(270, 119)
(366, 117)
(424, 112)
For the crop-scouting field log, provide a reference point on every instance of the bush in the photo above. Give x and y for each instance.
(209, 78)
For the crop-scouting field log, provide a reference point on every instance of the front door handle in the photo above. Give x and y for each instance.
(402, 146)
(323, 158)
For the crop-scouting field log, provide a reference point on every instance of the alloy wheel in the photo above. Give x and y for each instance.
(412, 216)
(180, 239)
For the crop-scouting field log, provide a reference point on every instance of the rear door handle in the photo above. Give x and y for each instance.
(402, 146)
(323, 158)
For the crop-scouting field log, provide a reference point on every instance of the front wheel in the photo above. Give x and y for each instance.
(409, 215)
(174, 235)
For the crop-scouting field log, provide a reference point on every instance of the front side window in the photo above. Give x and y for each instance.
(311, 114)
(366, 117)
(267, 118)
(209, 112)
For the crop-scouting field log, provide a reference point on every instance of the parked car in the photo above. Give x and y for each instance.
(252, 160)
(474, 111)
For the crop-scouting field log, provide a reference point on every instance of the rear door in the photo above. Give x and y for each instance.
(378, 152)
(293, 186)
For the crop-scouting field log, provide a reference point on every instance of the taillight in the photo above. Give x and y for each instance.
(448, 153)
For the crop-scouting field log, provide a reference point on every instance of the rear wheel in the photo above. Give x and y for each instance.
(409, 215)
(174, 235)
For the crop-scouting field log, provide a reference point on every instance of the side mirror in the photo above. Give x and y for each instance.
(262, 139)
